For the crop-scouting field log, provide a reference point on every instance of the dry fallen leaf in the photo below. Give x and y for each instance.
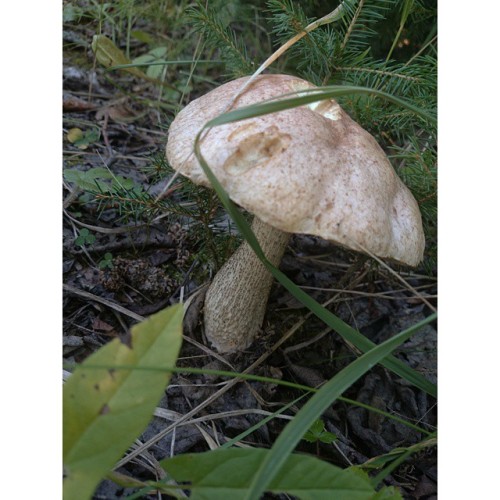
(72, 103)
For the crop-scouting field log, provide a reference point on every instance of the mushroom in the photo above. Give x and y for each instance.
(310, 170)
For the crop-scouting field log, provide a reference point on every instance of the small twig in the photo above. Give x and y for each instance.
(380, 295)
(109, 303)
(73, 195)
(302, 345)
(395, 274)
(106, 230)
(174, 416)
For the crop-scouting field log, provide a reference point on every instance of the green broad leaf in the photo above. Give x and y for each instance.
(97, 178)
(158, 52)
(315, 430)
(85, 237)
(142, 36)
(388, 493)
(228, 473)
(327, 437)
(72, 13)
(143, 60)
(157, 56)
(317, 433)
(107, 261)
(89, 137)
(82, 139)
(106, 409)
(84, 180)
(108, 54)
(98, 173)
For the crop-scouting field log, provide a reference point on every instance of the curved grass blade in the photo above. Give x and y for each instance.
(259, 424)
(163, 63)
(343, 329)
(312, 95)
(259, 378)
(313, 409)
(395, 457)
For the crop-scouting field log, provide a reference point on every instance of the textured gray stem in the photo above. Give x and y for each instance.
(236, 300)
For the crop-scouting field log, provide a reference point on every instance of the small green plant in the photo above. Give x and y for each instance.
(85, 237)
(154, 60)
(199, 206)
(317, 433)
(81, 139)
(107, 261)
(98, 179)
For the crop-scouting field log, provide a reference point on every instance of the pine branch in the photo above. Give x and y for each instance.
(360, 20)
(314, 53)
(232, 50)
(288, 19)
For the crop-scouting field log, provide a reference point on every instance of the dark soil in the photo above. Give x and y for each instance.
(154, 260)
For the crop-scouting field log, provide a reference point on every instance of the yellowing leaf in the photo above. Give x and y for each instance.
(74, 134)
(108, 54)
(105, 407)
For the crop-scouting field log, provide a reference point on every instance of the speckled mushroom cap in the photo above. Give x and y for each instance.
(310, 169)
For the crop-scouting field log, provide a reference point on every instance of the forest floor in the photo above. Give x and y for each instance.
(117, 270)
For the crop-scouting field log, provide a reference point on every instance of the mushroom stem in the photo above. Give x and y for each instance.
(236, 300)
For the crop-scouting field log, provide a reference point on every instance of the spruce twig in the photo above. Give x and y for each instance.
(333, 16)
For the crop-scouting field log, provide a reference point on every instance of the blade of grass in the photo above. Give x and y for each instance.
(333, 16)
(380, 461)
(162, 63)
(259, 424)
(314, 94)
(312, 410)
(255, 378)
(398, 455)
(347, 332)
(386, 415)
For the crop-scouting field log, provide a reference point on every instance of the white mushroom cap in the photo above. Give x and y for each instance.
(310, 169)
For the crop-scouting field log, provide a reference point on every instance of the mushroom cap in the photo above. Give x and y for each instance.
(309, 169)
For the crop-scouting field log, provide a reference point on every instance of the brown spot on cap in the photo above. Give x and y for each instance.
(255, 150)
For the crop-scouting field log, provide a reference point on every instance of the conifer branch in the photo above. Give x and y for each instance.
(218, 36)
(333, 16)
(352, 24)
